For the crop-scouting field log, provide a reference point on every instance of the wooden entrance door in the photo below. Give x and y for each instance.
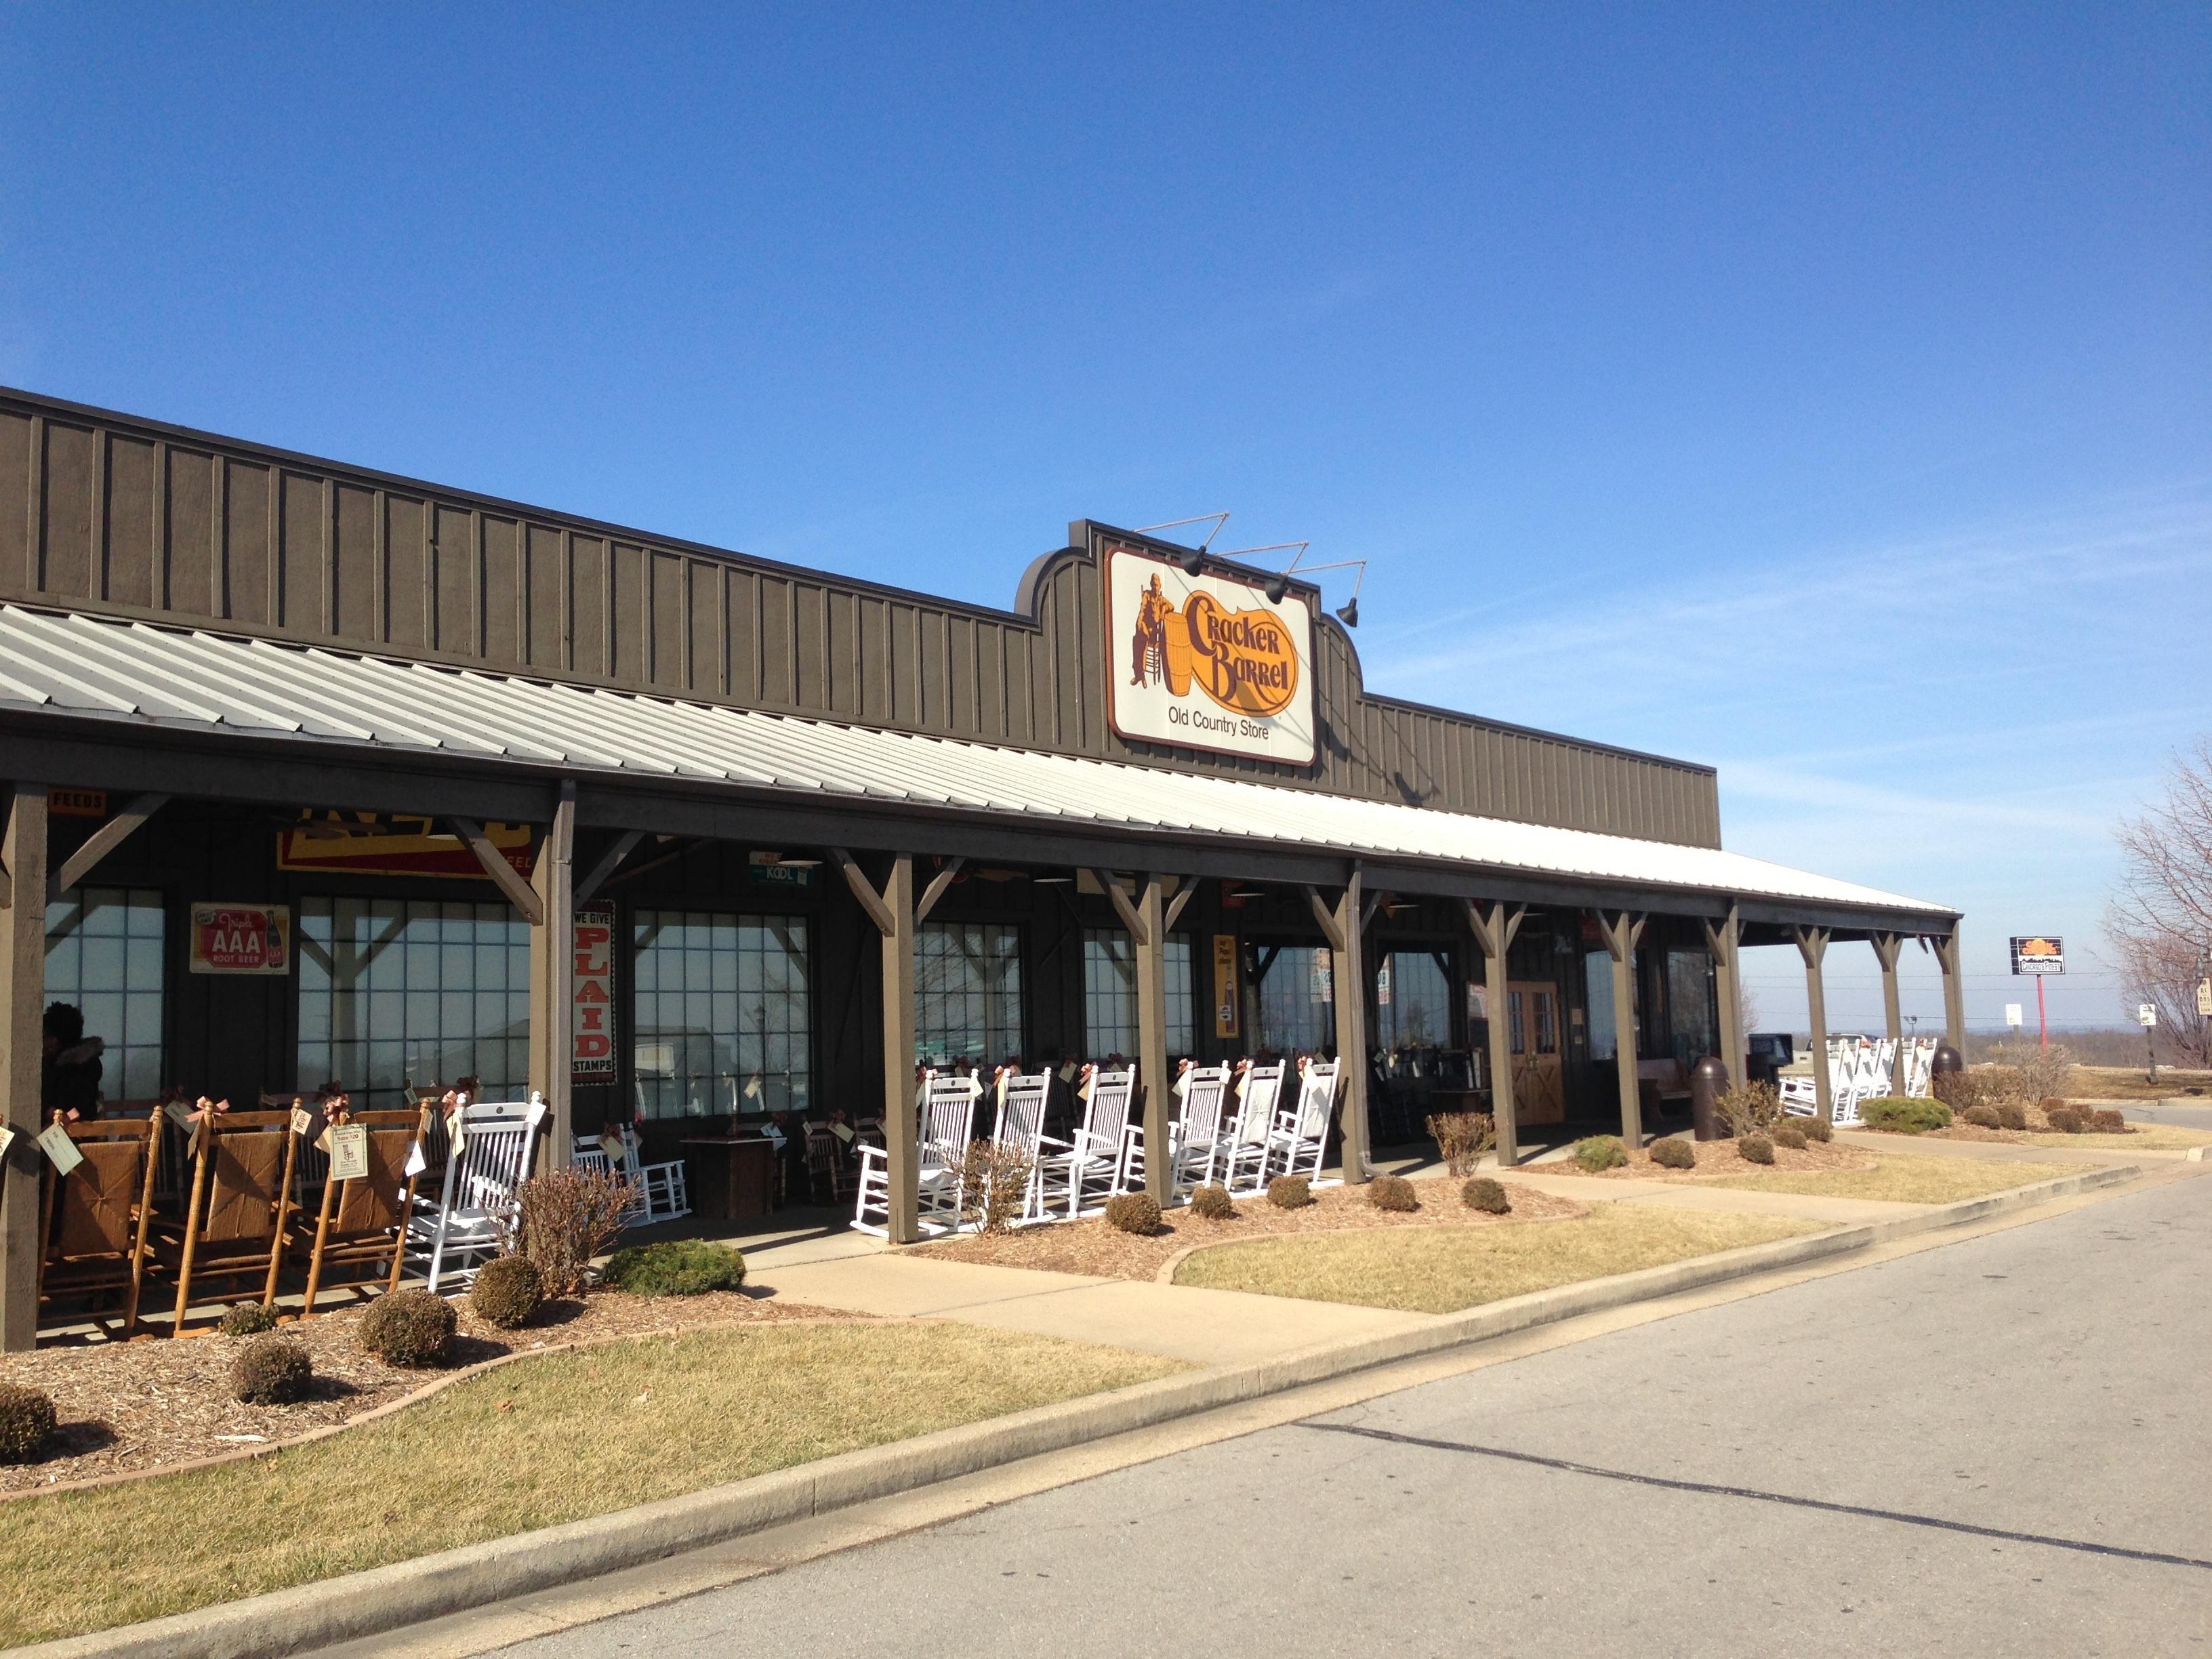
(1539, 1090)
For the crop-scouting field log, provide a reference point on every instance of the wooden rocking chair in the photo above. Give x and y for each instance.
(362, 1222)
(93, 1221)
(235, 1217)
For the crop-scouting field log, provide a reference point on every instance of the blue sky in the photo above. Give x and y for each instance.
(1823, 396)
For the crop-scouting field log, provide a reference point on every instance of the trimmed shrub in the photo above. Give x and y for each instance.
(1462, 1138)
(1601, 1153)
(1134, 1213)
(2051, 1103)
(2106, 1121)
(994, 1185)
(1213, 1203)
(2010, 1117)
(1815, 1128)
(1983, 1117)
(569, 1215)
(1289, 1192)
(1791, 1135)
(1755, 1149)
(1484, 1194)
(1674, 1153)
(27, 1418)
(1901, 1116)
(247, 1319)
(2064, 1121)
(2042, 1070)
(507, 1292)
(1392, 1193)
(408, 1328)
(1962, 1091)
(270, 1370)
(677, 1267)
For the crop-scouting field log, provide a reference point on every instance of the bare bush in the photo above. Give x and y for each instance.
(995, 1184)
(1748, 1108)
(2040, 1072)
(1462, 1138)
(569, 1216)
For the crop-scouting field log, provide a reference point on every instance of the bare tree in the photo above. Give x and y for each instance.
(2160, 921)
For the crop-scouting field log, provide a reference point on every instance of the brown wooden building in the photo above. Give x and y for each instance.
(318, 773)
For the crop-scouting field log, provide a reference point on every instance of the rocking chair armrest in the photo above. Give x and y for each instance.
(1052, 1141)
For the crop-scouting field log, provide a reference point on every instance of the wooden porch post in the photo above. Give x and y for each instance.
(1725, 941)
(22, 998)
(552, 981)
(892, 910)
(1954, 991)
(1149, 942)
(1885, 947)
(1342, 925)
(1812, 945)
(1621, 930)
(1494, 926)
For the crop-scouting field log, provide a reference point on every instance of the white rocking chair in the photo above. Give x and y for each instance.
(1020, 1130)
(1094, 1164)
(1243, 1166)
(948, 1118)
(664, 1191)
(1301, 1132)
(1196, 1140)
(476, 1215)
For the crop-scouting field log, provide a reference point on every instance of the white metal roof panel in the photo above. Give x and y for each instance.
(175, 678)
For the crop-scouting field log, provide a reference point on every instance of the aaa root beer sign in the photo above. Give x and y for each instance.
(1206, 662)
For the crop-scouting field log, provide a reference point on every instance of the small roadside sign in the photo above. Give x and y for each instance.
(2013, 1017)
(2145, 1014)
(2039, 953)
(2204, 998)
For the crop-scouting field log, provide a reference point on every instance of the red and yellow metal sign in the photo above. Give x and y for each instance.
(365, 844)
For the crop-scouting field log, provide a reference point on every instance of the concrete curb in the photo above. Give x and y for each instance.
(408, 1592)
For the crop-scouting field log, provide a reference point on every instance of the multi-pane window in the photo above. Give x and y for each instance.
(104, 953)
(968, 992)
(394, 991)
(1109, 994)
(1413, 1002)
(1297, 998)
(722, 1019)
(1690, 1005)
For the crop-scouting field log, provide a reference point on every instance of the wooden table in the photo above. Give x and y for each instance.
(731, 1179)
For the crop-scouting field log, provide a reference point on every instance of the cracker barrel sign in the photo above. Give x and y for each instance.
(1206, 662)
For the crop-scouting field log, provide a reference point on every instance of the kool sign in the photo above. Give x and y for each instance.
(1208, 661)
(241, 939)
(592, 1020)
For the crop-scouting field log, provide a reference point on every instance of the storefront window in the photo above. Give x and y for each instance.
(1690, 1005)
(721, 1017)
(1296, 999)
(104, 954)
(395, 992)
(1597, 986)
(968, 992)
(1109, 994)
(1413, 1002)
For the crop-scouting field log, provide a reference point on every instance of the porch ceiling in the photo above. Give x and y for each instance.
(324, 706)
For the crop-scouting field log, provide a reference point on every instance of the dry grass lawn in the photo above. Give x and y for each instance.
(1910, 1178)
(2147, 1138)
(2129, 1083)
(532, 1444)
(1444, 1269)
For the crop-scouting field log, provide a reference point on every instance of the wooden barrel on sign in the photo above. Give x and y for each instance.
(1178, 653)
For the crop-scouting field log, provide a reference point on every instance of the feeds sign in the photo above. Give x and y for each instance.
(1206, 662)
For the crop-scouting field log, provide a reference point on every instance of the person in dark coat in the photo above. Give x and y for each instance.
(69, 1077)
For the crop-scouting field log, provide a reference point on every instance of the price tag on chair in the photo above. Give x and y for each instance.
(7, 1143)
(611, 1145)
(348, 1151)
(180, 1115)
(302, 1120)
(55, 1140)
(417, 1160)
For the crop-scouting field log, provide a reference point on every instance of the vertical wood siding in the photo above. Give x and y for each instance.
(115, 516)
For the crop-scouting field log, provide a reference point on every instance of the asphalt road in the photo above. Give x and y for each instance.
(2000, 1447)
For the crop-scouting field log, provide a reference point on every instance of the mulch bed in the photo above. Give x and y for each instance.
(1717, 1160)
(2038, 1123)
(156, 1402)
(1094, 1249)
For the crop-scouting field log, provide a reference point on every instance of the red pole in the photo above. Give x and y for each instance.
(2042, 1026)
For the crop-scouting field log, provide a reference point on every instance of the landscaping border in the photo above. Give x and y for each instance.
(405, 1593)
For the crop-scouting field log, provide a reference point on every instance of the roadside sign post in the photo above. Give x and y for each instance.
(2036, 956)
(2012, 1017)
(2147, 1013)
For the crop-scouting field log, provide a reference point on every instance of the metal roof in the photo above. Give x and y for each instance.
(171, 680)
